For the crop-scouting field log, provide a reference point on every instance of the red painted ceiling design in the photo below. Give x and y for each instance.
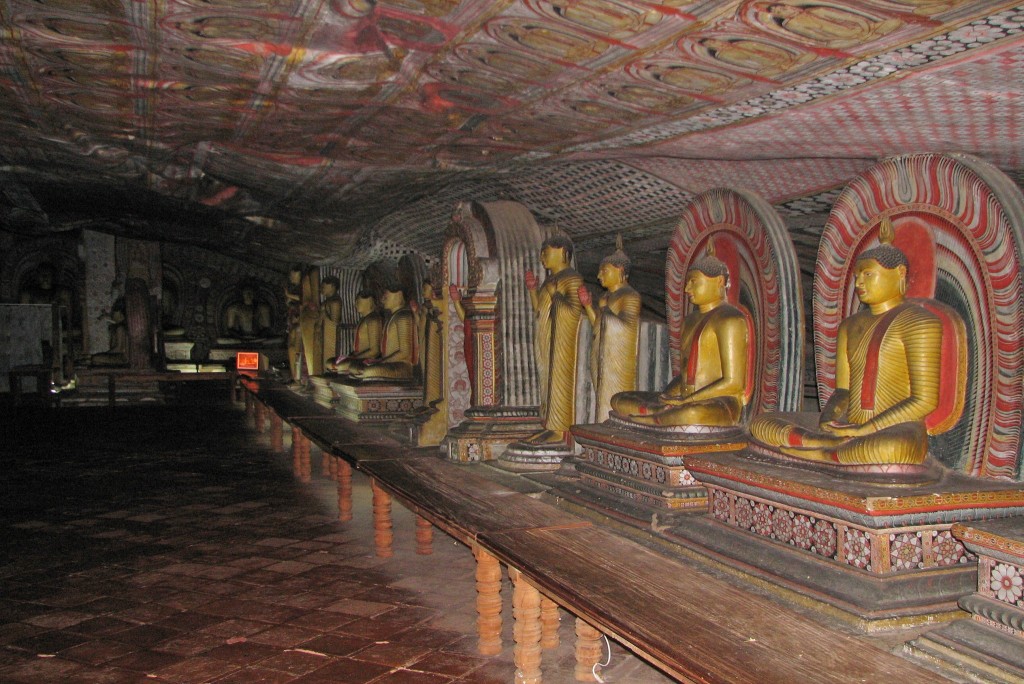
(322, 130)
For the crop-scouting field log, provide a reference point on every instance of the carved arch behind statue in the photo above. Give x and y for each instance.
(457, 383)
(973, 215)
(501, 241)
(764, 276)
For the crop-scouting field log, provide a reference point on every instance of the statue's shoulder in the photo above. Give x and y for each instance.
(728, 311)
(915, 313)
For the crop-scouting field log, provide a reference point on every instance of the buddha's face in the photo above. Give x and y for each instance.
(248, 296)
(553, 257)
(703, 289)
(610, 276)
(876, 284)
(364, 305)
(329, 288)
(393, 301)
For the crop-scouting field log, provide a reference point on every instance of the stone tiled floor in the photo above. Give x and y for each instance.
(169, 544)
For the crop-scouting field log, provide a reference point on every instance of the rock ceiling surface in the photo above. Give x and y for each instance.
(330, 131)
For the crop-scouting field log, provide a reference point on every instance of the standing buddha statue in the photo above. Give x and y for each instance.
(559, 313)
(615, 322)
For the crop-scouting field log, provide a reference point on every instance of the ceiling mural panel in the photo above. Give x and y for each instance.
(326, 125)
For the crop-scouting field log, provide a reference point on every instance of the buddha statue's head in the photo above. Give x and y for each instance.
(365, 303)
(707, 280)
(393, 300)
(880, 274)
(295, 275)
(248, 295)
(556, 252)
(45, 276)
(329, 286)
(614, 269)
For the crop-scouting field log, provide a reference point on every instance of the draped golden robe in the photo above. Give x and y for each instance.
(558, 323)
(616, 345)
(398, 348)
(894, 376)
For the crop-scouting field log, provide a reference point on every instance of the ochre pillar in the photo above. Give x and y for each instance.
(526, 631)
(548, 623)
(424, 537)
(344, 491)
(588, 651)
(276, 431)
(382, 536)
(488, 602)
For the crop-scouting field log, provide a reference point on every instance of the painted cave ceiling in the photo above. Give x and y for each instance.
(331, 131)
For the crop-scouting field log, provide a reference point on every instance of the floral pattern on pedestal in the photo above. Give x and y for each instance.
(906, 551)
(1007, 583)
(824, 539)
(857, 549)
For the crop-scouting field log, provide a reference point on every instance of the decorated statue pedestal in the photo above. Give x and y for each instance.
(486, 432)
(391, 405)
(643, 469)
(875, 546)
(990, 643)
(524, 457)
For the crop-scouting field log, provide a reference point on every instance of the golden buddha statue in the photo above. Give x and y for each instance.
(367, 338)
(309, 317)
(431, 344)
(247, 321)
(713, 386)
(117, 328)
(293, 309)
(888, 357)
(616, 326)
(559, 312)
(397, 358)
(330, 318)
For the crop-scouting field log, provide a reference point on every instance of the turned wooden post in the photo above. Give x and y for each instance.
(548, 623)
(306, 474)
(488, 602)
(276, 432)
(382, 535)
(332, 466)
(344, 491)
(325, 464)
(260, 419)
(424, 537)
(526, 631)
(249, 404)
(296, 452)
(588, 651)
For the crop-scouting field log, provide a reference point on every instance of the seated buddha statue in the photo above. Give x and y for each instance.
(888, 358)
(367, 337)
(247, 321)
(715, 348)
(397, 359)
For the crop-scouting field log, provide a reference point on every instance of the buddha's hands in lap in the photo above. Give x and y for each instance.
(846, 430)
